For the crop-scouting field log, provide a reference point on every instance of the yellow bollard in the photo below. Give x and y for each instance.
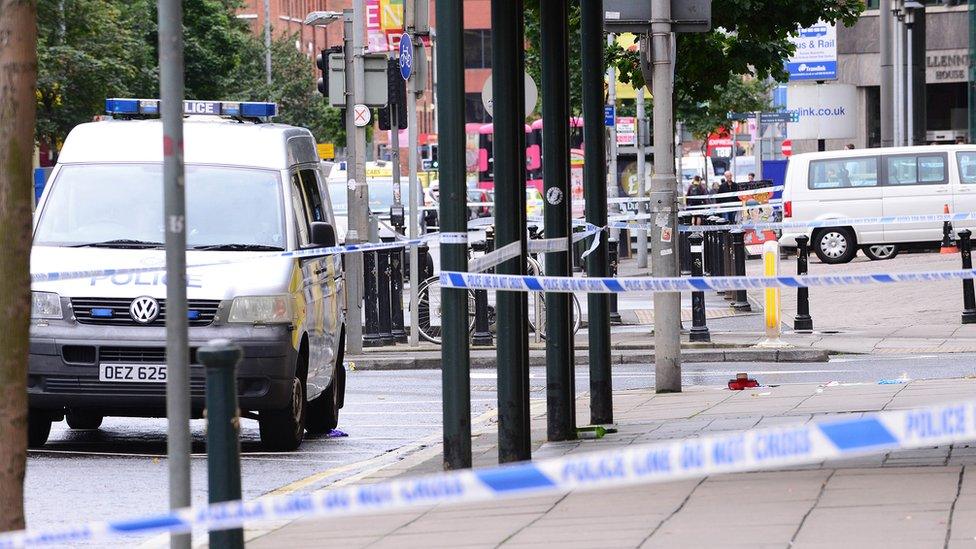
(771, 305)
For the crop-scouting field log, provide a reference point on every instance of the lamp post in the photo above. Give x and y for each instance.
(899, 80)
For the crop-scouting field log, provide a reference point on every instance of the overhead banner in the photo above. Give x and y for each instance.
(815, 57)
(384, 25)
(823, 111)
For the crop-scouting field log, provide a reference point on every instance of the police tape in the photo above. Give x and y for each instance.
(519, 283)
(306, 253)
(822, 439)
(727, 209)
(833, 222)
(750, 205)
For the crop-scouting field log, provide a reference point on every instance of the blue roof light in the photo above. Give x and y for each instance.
(216, 108)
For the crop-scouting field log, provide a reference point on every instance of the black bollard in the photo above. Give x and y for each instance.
(728, 261)
(613, 248)
(396, 296)
(718, 250)
(968, 296)
(220, 357)
(741, 301)
(385, 324)
(482, 326)
(802, 322)
(684, 253)
(371, 331)
(699, 331)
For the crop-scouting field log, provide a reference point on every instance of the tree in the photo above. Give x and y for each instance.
(738, 95)
(86, 52)
(18, 27)
(533, 54)
(292, 87)
(748, 38)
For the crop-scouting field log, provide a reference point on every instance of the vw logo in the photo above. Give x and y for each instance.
(144, 309)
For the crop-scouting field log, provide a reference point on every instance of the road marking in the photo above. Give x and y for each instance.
(869, 358)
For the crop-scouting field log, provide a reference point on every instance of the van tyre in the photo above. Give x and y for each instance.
(38, 428)
(83, 421)
(881, 252)
(834, 246)
(284, 430)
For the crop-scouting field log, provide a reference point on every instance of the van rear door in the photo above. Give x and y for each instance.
(915, 184)
(962, 173)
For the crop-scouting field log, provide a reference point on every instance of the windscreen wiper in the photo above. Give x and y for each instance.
(240, 248)
(120, 243)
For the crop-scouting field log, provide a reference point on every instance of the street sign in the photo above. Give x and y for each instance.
(406, 56)
(326, 151)
(361, 115)
(777, 117)
(815, 57)
(786, 148)
(631, 16)
(609, 115)
(740, 115)
(374, 67)
(626, 131)
(531, 95)
(827, 111)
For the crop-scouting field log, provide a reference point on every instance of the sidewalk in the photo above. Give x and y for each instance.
(918, 498)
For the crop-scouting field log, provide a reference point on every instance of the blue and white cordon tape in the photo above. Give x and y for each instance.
(517, 283)
(835, 222)
(822, 439)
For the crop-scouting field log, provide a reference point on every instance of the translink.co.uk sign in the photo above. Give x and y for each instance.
(816, 53)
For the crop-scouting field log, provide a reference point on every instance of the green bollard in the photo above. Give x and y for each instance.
(220, 357)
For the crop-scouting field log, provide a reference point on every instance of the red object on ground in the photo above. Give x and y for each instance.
(742, 381)
(787, 147)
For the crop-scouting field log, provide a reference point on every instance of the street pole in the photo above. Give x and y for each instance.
(612, 185)
(667, 305)
(641, 185)
(415, 191)
(910, 88)
(455, 357)
(560, 381)
(887, 74)
(508, 94)
(594, 190)
(267, 41)
(353, 30)
(897, 81)
(395, 151)
(177, 349)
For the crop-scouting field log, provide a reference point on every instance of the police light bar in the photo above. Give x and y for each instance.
(216, 108)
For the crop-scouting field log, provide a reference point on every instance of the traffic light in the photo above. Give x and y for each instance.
(397, 87)
(322, 62)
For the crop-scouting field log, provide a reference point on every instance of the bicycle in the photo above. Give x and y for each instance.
(430, 316)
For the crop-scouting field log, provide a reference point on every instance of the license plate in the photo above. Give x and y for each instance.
(132, 373)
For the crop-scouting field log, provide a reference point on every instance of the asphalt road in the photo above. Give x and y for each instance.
(120, 470)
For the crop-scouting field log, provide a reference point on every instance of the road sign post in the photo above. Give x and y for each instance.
(595, 192)
(560, 380)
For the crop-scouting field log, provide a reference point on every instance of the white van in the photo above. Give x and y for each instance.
(873, 183)
(98, 344)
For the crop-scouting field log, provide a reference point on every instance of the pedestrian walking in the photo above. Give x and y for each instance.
(697, 196)
(728, 185)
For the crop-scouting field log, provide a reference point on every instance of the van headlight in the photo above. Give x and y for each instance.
(46, 305)
(271, 309)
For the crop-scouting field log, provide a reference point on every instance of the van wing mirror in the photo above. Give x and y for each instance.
(323, 234)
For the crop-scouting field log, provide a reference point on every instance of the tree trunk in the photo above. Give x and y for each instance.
(18, 75)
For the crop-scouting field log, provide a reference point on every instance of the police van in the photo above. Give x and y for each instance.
(254, 191)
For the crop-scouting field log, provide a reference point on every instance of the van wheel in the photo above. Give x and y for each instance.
(835, 246)
(38, 428)
(83, 421)
(880, 251)
(284, 430)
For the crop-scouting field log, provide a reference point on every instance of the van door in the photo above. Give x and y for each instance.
(915, 184)
(838, 187)
(308, 206)
(962, 173)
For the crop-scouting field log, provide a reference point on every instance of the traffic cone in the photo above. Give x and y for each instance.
(948, 243)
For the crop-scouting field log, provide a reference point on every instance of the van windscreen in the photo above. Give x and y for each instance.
(121, 205)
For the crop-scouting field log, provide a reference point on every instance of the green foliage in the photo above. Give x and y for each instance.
(533, 54)
(293, 87)
(89, 50)
(737, 95)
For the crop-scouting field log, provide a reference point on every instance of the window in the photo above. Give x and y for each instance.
(477, 49)
(839, 173)
(314, 197)
(916, 169)
(967, 167)
(301, 215)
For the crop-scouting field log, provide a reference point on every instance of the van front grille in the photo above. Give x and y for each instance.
(108, 311)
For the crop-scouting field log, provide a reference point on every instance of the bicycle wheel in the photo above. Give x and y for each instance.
(430, 312)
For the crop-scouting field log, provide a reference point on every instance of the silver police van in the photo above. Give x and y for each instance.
(254, 190)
